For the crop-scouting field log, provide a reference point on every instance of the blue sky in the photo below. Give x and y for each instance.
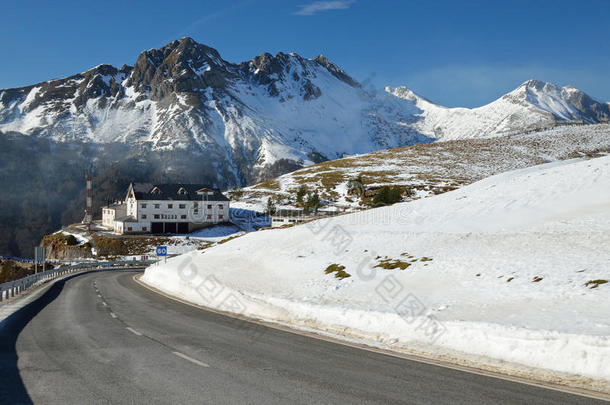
(456, 53)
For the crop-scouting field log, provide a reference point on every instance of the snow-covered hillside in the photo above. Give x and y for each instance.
(431, 168)
(512, 269)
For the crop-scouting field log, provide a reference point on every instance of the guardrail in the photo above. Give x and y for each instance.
(15, 287)
(17, 259)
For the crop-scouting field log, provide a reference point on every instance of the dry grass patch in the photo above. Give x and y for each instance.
(595, 283)
(339, 271)
(271, 184)
(391, 264)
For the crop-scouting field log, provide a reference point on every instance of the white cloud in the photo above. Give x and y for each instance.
(317, 6)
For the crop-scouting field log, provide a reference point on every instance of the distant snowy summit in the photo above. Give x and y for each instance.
(532, 105)
(264, 117)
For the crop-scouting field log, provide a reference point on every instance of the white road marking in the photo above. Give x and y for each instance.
(135, 332)
(104, 303)
(112, 314)
(192, 360)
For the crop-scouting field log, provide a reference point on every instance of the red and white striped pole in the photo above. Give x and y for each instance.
(89, 215)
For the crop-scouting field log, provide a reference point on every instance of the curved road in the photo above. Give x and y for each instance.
(100, 337)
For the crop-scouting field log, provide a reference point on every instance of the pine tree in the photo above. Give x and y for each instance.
(271, 208)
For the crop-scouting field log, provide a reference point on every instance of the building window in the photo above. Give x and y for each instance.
(156, 216)
(170, 206)
(209, 217)
(220, 217)
(144, 229)
(157, 206)
(143, 205)
(182, 206)
(143, 216)
(220, 206)
(196, 208)
(209, 206)
(182, 216)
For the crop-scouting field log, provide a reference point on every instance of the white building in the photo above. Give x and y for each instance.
(111, 212)
(166, 208)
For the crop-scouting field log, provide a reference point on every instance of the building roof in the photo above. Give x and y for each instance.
(126, 219)
(177, 192)
(115, 206)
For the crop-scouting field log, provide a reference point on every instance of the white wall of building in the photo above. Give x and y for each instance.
(111, 213)
(181, 211)
(146, 212)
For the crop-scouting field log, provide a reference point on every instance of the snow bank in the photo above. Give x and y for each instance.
(496, 270)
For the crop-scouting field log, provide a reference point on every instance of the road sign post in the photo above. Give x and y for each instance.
(39, 257)
(162, 252)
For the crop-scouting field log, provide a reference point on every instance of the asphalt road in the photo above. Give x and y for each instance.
(102, 338)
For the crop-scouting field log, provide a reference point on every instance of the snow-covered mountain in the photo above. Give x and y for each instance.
(533, 105)
(263, 117)
(182, 113)
(253, 119)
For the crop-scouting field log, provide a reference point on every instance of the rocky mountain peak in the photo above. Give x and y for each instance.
(276, 71)
(266, 65)
(403, 92)
(564, 103)
(336, 71)
(537, 84)
(180, 66)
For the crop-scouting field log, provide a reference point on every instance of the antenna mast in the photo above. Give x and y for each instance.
(88, 219)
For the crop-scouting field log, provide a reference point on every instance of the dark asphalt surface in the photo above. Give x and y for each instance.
(129, 345)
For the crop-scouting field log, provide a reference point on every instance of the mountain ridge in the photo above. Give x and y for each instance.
(532, 105)
(184, 95)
